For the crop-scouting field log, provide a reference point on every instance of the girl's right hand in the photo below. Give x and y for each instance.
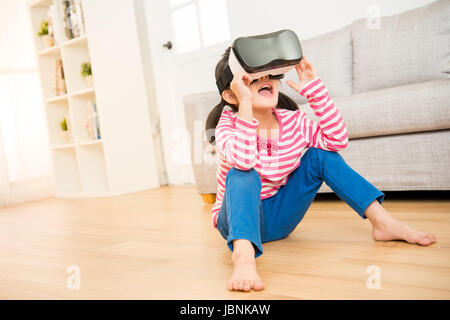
(241, 86)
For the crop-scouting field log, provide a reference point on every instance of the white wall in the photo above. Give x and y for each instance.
(26, 171)
(246, 17)
(307, 18)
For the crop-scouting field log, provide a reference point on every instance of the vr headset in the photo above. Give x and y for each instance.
(272, 54)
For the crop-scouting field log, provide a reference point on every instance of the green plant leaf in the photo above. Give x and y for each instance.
(43, 28)
(86, 69)
(63, 124)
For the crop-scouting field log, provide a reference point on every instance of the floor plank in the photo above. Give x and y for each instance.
(159, 244)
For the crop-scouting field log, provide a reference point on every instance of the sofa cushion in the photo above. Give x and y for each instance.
(412, 161)
(409, 47)
(331, 55)
(410, 108)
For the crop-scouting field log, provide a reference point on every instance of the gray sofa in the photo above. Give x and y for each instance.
(391, 82)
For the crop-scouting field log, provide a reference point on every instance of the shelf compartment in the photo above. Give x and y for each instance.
(48, 74)
(56, 111)
(65, 163)
(80, 105)
(42, 10)
(75, 54)
(38, 12)
(93, 173)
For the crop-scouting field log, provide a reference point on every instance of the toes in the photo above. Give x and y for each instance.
(258, 285)
(236, 285)
(241, 285)
(247, 285)
(432, 237)
(425, 241)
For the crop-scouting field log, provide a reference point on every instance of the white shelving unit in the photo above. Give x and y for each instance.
(123, 160)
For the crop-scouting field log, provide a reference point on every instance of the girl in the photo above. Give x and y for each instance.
(272, 160)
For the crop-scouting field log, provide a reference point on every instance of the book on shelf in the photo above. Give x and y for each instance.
(67, 20)
(73, 18)
(81, 28)
(92, 123)
(59, 83)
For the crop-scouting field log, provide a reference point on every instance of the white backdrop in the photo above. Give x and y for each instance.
(25, 150)
(312, 17)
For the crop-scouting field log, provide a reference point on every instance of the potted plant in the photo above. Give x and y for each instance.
(47, 39)
(65, 133)
(86, 72)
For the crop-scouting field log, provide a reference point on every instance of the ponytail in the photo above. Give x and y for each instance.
(213, 119)
(284, 102)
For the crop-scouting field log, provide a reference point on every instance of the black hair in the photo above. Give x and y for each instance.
(284, 102)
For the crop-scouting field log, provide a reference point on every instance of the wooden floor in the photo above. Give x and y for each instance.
(159, 244)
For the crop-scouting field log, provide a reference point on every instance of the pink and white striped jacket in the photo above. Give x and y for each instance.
(238, 144)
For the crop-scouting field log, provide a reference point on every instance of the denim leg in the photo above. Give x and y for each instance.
(294, 198)
(241, 211)
(349, 185)
(317, 166)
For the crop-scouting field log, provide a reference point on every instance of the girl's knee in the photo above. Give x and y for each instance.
(243, 176)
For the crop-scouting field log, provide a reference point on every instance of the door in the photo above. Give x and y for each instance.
(188, 38)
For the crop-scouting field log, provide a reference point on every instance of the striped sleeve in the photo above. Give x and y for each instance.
(236, 142)
(330, 133)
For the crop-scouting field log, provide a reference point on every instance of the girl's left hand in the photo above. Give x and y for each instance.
(306, 73)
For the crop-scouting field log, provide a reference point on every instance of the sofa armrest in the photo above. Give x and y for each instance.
(196, 109)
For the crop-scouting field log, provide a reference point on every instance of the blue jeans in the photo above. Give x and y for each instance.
(244, 215)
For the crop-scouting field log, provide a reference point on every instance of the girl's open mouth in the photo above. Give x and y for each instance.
(266, 90)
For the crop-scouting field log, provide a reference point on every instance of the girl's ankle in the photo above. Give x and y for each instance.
(243, 249)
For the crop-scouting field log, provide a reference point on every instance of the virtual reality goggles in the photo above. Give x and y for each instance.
(272, 54)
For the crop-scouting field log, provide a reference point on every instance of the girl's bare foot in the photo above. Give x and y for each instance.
(244, 277)
(386, 228)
